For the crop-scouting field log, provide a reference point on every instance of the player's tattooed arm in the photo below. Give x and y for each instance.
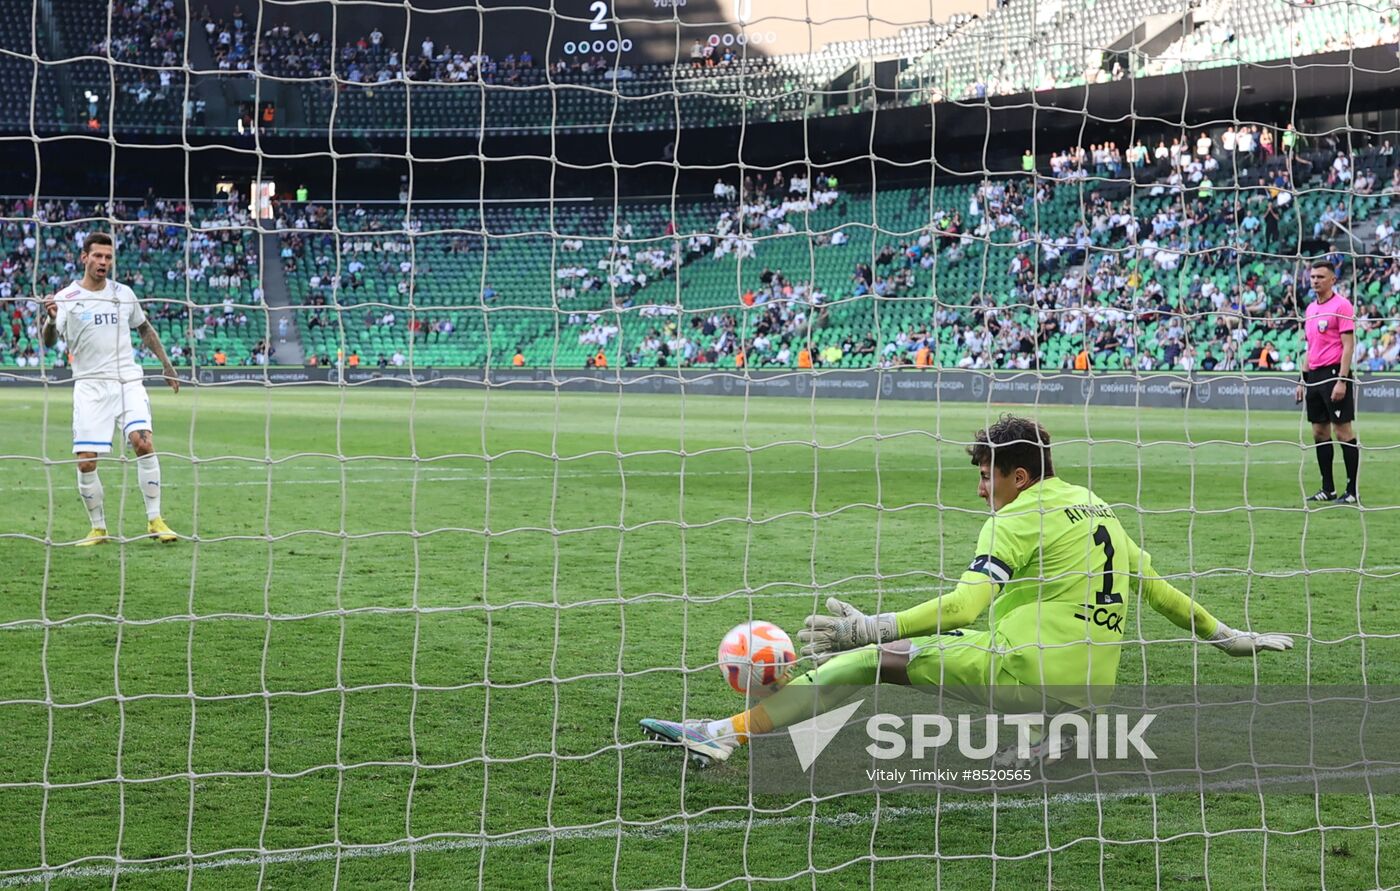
(151, 340)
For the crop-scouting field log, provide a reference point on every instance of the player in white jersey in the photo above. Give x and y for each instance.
(95, 316)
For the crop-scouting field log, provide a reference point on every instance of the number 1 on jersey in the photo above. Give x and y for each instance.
(1106, 595)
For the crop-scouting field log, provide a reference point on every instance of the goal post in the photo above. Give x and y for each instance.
(525, 350)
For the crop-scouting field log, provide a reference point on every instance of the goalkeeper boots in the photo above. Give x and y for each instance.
(1322, 496)
(162, 533)
(702, 749)
(96, 536)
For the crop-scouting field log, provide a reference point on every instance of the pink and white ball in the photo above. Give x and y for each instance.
(755, 656)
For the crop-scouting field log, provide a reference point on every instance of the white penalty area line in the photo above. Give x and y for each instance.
(848, 819)
(279, 479)
(809, 593)
(784, 593)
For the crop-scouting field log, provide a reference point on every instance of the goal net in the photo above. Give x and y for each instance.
(527, 348)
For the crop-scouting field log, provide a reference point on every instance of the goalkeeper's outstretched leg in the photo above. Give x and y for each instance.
(958, 664)
(708, 742)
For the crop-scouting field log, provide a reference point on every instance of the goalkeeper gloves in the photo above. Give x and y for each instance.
(1247, 643)
(847, 628)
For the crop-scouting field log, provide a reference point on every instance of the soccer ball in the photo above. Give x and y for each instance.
(754, 656)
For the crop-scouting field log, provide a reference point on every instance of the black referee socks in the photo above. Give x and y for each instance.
(1324, 463)
(1351, 456)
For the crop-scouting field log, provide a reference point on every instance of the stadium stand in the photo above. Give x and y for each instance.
(1189, 245)
(1193, 266)
(1179, 274)
(1019, 46)
(24, 79)
(203, 306)
(368, 89)
(143, 93)
(1237, 32)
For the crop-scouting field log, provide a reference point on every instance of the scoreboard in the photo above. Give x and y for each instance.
(662, 30)
(634, 32)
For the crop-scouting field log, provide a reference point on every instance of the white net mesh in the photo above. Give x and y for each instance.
(484, 317)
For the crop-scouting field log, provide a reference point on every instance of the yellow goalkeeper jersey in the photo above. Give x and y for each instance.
(1066, 567)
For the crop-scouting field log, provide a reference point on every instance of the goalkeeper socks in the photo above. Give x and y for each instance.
(1324, 464)
(148, 479)
(738, 727)
(735, 728)
(90, 487)
(1351, 456)
(834, 682)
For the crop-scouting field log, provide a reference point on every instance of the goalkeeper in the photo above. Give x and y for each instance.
(1056, 567)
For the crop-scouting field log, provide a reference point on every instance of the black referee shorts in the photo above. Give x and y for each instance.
(1317, 387)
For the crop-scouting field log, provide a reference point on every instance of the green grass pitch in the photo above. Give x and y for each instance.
(413, 670)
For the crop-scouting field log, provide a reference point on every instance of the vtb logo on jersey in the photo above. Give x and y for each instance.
(95, 318)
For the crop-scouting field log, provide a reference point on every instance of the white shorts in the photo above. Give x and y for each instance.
(100, 405)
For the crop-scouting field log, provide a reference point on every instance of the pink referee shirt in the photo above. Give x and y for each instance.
(1324, 324)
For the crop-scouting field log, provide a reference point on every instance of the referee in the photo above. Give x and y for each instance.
(1328, 324)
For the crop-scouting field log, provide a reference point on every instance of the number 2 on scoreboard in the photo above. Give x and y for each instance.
(600, 15)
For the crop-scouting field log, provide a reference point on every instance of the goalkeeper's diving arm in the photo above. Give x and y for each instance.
(847, 627)
(1188, 614)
